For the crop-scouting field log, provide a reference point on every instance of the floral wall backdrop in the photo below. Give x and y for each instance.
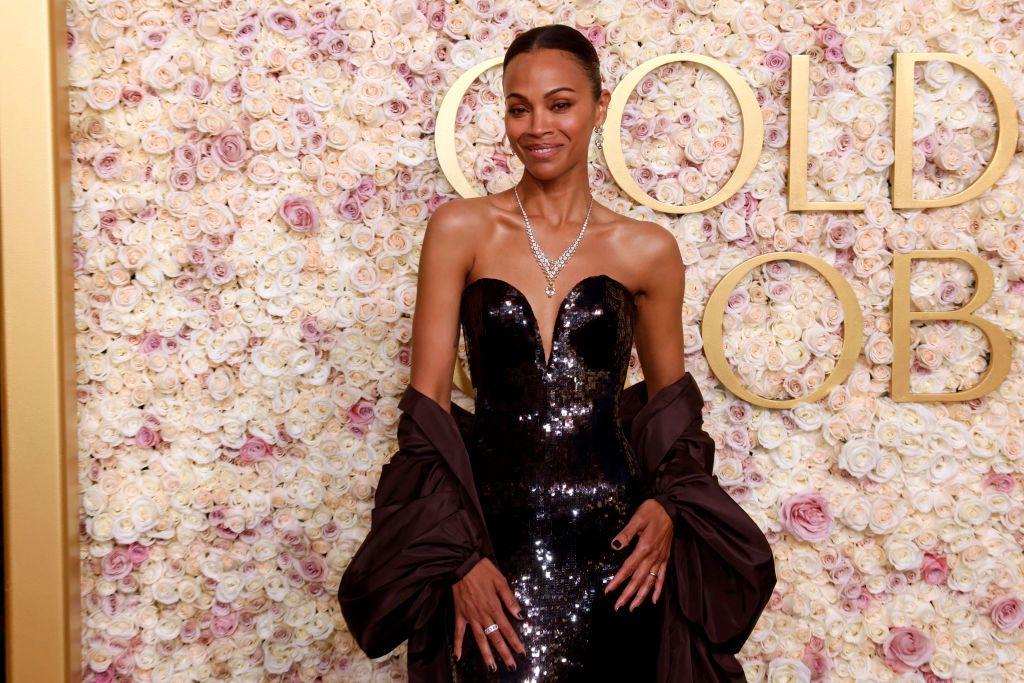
(251, 184)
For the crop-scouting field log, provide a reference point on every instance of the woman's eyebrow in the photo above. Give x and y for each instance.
(553, 90)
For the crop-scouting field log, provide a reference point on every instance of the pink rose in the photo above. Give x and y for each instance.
(830, 37)
(220, 271)
(934, 569)
(254, 449)
(224, 626)
(807, 516)
(360, 414)
(132, 95)
(181, 179)
(247, 30)
(151, 342)
(300, 214)
(1004, 483)
(739, 412)
(310, 328)
(1007, 613)
(284, 21)
(117, 564)
(835, 54)
(147, 438)
(594, 33)
(311, 567)
(228, 149)
(138, 553)
(738, 439)
(155, 39)
(348, 208)
(839, 234)
(106, 164)
(198, 87)
(304, 117)
(365, 189)
(775, 60)
(439, 199)
(738, 302)
(436, 15)
(907, 648)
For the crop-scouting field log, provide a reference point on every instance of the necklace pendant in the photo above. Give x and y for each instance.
(549, 290)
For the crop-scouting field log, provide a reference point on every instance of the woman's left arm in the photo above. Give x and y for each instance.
(659, 343)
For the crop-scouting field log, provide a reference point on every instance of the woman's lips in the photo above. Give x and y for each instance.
(544, 153)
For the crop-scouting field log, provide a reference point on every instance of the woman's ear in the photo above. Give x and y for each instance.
(602, 107)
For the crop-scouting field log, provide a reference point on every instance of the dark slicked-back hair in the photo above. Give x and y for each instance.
(560, 37)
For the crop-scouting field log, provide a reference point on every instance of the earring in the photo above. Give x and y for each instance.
(598, 139)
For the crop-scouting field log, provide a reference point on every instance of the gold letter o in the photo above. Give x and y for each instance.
(753, 132)
(711, 328)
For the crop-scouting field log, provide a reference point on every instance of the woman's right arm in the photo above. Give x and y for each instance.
(446, 259)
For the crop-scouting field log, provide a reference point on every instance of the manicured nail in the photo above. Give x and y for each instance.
(519, 615)
(616, 544)
(492, 667)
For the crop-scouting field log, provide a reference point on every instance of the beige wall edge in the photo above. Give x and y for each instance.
(37, 360)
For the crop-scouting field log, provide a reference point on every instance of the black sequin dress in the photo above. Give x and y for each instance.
(557, 479)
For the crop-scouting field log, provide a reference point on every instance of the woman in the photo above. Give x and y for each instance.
(568, 529)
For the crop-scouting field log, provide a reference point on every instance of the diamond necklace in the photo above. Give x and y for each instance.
(551, 270)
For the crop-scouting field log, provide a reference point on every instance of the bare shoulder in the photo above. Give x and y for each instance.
(456, 216)
(653, 248)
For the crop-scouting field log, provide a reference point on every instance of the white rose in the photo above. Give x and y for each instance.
(903, 554)
(788, 670)
(858, 456)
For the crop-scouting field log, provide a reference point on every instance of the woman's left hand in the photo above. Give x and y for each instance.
(653, 526)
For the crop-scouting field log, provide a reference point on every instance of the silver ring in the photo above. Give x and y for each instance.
(653, 573)
(491, 628)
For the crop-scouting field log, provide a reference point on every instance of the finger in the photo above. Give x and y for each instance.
(639, 552)
(624, 537)
(508, 597)
(497, 639)
(624, 571)
(460, 633)
(483, 644)
(660, 582)
(634, 583)
(509, 631)
(645, 588)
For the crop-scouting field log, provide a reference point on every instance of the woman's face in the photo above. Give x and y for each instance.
(550, 112)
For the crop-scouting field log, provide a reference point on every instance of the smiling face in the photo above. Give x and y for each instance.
(550, 111)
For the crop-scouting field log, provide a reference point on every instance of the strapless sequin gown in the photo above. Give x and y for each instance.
(557, 479)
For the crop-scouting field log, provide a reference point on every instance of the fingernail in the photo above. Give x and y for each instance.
(616, 544)
(492, 667)
(519, 615)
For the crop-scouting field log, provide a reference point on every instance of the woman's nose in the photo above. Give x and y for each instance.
(540, 122)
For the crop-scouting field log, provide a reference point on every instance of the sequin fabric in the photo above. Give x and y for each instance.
(556, 475)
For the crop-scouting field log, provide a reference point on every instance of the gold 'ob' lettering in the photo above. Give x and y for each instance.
(999, 361)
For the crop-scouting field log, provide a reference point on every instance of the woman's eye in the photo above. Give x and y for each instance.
(561, 103)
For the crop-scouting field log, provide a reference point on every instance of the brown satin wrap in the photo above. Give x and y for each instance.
(427, 531)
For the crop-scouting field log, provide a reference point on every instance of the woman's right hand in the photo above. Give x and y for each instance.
(479, 600)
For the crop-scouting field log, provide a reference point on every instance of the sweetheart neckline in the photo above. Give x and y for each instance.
(538, 339)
